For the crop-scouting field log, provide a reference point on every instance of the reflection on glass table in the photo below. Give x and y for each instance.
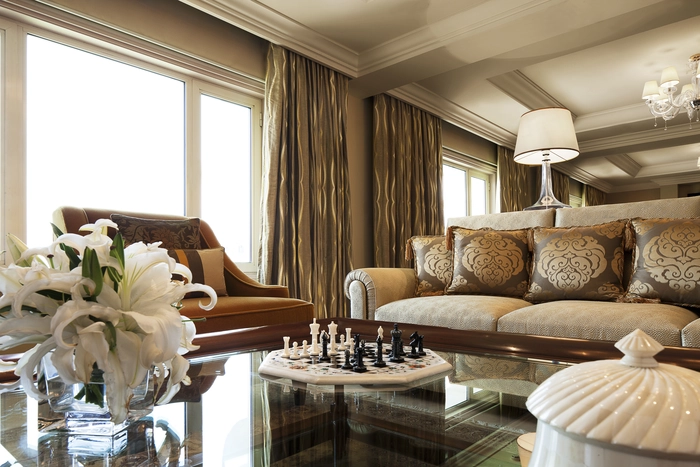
(231, 416)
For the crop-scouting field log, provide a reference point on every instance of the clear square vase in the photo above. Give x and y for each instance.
(88, 426)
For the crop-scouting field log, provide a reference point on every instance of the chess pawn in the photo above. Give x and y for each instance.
(348, 337)
(341, 346)
(304, 350)
(347, 365)
(295, 352)
(332, 332)
(351, 345)
(285, 352)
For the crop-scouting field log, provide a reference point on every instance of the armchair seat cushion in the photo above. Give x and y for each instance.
(243, 312)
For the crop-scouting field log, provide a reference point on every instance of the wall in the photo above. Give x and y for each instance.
(632, 196)
(467, 143)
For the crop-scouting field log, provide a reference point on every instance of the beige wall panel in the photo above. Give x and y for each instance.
(632, 196)
(360, 168)
(182, 27)
(462, 141)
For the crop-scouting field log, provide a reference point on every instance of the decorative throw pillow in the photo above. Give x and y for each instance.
(489, 262)
(207, 267)
(174, 233)
(666, 261)
(577, 263)
(433, 264)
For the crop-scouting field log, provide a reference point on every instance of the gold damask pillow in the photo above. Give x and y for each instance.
(433, 264)
(666, 261)
(577, 263)
(489, 262)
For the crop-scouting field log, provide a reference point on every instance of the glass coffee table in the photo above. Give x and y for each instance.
(234, 416)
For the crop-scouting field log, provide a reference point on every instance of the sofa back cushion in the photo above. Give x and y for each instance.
(584, 263)
(489, 262)
(432, 263)
(506, 220)
(174, 234)
(206, 266)
(660, 208)
(666, 261)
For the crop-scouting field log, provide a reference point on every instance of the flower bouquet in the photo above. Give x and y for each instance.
(100, 312)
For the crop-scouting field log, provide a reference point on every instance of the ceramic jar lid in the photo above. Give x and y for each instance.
(634, 402)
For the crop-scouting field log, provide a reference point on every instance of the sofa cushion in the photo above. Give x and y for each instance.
(489, 262)
(604, 321)
(206, 266)
(690, 335)
(473, 312)
(666, 261)
(173, 234)
(433, 264)
(584, 263)
(506, 220)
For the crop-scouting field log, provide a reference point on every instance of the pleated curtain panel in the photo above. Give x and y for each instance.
(407, 188)
(592, 196)
(513, 181)
(560, 186)
(306, 224)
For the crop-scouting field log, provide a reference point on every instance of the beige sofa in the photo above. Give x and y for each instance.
(389, 294)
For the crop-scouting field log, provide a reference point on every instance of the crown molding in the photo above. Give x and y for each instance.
(257, 19)
(640, 137)
(523, 90)
(625, 163)
(677, 179)
(582, 176)
(453, 113)
(678, 168)
(612, 117)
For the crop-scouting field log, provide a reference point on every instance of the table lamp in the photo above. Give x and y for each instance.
(546, 136)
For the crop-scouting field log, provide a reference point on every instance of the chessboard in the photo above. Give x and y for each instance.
(311, 370)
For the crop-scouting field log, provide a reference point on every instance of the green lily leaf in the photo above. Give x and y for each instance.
(72, 255)
(56, 231)
(92, 270)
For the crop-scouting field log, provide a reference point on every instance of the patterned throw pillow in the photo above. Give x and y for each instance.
(433, 264)
(577, 263)
(182, 234)
(207, 267)
(489, 262)
(666, 261)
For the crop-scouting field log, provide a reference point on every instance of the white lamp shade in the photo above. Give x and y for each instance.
(546, 132)
(669, 77)
(688, 88)
(651, 89)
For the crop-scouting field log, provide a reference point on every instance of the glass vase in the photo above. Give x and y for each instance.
(89, 424)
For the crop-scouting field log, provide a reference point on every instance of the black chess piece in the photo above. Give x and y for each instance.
(359, 365)
(379, 362)
(324, 348)
(396, 345)
(420, 346)
(414, 345)
(347, 365)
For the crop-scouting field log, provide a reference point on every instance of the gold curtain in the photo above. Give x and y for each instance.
(305, 240)
(407, 147)
(513, 180)
(560, 186)
(592, 196)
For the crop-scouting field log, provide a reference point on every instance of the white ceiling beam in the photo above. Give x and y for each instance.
(519, 87)
(625, 163)
(682, 167)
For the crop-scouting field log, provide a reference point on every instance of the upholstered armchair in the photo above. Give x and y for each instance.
(242, 301)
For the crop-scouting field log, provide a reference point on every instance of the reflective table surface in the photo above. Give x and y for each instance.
(233, 416)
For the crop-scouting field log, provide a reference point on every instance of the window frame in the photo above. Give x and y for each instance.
(198, 76)
(476, 168)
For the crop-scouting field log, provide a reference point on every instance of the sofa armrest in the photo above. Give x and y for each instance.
(370, 288)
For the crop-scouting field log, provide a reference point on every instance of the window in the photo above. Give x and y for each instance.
(466, 185)
(108, 130)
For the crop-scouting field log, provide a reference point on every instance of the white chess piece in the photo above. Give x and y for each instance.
(380, 333)
(295, 351)
(285, 352)
(304, 350)
(332, 332)
(352, 346)
(341, 347)
(314, 338)
(348, 337)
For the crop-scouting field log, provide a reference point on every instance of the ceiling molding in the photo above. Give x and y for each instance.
(640, 137)
(583, 176)
(677, 179)
(452, 113)
(612, 117)
(625, 163)
(257, 19)
(679, 168)
(522, 89)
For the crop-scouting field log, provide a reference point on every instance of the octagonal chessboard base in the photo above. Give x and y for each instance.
(309, 370)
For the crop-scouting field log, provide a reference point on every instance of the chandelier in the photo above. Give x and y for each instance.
(662, 99)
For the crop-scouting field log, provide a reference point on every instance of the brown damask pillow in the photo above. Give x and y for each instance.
(577, 263)
(175, 234)
(666, 261)
(433, 264)
(489, 262)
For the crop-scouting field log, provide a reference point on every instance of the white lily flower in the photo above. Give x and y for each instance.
(122, 322)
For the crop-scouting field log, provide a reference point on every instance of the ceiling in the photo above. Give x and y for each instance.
(480, 64)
